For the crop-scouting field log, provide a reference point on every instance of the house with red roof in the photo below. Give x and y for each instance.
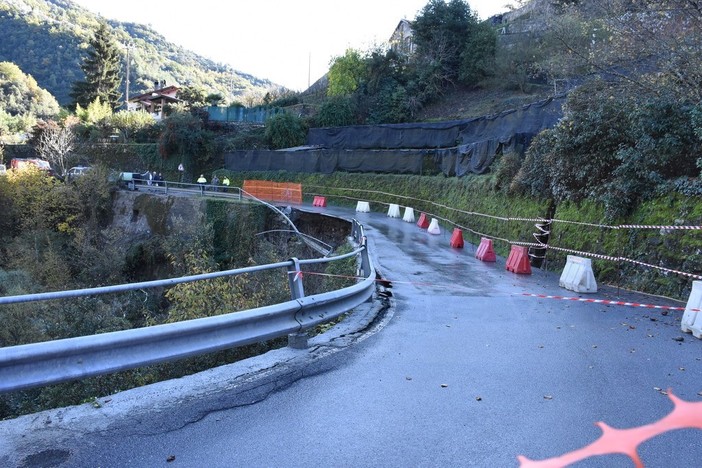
(155, 101)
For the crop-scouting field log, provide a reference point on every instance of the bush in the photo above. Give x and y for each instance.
(285, 130)
(612, 146)
(336, 111)
(506, 168)
(533, 177)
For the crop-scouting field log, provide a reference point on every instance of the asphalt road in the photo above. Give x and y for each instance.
(461, 370)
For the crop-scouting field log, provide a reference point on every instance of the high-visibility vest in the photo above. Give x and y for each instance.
(201, 180)
(225, 181)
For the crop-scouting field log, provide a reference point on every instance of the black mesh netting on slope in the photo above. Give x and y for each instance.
(455, 147)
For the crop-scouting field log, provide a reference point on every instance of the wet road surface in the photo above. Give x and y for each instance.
(462, 370)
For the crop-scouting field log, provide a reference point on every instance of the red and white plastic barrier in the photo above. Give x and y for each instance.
(319, 201)
(486, 252)
(691, 320)
(363, 207)
(423, 221)
(394, 211)
(518, 260)
(434, 227)
(409, 215)
(578, 276)
(456, 239)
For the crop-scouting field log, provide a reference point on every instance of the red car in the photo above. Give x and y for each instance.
(23, 163)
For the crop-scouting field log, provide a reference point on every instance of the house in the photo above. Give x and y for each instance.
(402, 39)
(155, 101)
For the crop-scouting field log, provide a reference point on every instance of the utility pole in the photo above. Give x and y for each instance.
(126, 100)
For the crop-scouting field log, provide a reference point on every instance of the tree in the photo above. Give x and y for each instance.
(215, 99)
(194, 96)
(441, 32)
(478, 55)
(185, 138)
(20, 94)
(651, 45)
(97, 112)
(55, 144)
(346, 73)
(132, 124)
(103, 72)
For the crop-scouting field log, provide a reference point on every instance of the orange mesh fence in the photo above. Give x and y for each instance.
(274, 191)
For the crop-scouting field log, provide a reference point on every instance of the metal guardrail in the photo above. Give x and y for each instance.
(169, 187)
(217, 191)
(38, 364)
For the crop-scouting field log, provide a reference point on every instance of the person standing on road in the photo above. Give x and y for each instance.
(225, 182)
(215, 182)
(202, 181)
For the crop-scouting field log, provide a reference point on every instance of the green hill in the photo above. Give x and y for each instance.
(47, 39)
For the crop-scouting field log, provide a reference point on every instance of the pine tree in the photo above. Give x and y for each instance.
(102, 69)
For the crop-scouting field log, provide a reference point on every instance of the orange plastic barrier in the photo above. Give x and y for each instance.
(456, 239)
(518, 260)
(485, 251)
(274, 191)
(320, 201)
(423, 221)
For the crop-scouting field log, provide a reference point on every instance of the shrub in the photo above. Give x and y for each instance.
(336, 111)
(285, 130)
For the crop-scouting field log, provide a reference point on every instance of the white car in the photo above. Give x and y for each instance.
(3, 170)
(76, 172)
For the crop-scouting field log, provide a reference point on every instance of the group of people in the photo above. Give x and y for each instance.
(202, 181)
(156, 179)
(153, 179)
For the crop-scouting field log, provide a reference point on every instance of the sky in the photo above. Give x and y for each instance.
(289, 42)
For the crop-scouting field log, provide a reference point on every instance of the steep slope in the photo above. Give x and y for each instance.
(47, 39)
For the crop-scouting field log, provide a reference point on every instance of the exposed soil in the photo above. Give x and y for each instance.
(466, 103)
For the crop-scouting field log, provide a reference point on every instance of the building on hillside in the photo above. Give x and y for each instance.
(155, 101)
(402, 39)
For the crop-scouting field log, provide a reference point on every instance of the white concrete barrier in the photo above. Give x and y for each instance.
(692, 318)
(578, 276)
(363, 207)
(434, 227)
(409, 215)
(394, 211)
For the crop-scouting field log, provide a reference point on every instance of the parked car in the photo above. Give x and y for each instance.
(19, 164)
(130, 180)
(3, 170)
(75, 172)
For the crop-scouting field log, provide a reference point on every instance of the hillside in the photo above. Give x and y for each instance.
(47, 39)
(460, 103)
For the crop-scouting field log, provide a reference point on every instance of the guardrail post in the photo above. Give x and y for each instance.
(357, 231)
(365, 262)
(297, 291)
